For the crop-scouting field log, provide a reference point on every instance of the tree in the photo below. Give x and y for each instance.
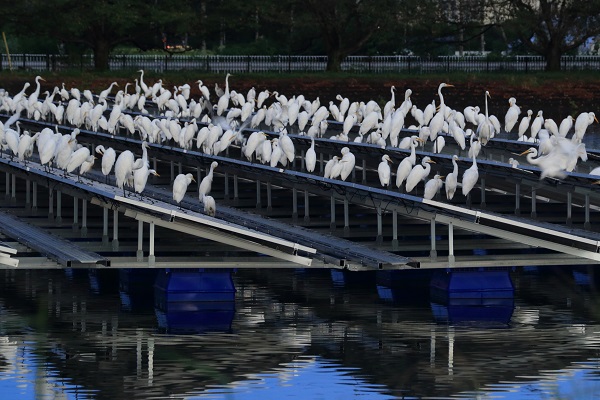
(347, 25)
(99, 25)
(552, 28)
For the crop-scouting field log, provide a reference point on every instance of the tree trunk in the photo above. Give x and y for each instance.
(553, 56)
(101, 55)
(334, 60)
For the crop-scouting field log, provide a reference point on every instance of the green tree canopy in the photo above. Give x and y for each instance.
(552, 28)
(99, 25)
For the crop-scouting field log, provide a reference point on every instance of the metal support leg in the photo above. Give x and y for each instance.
(364, 172)
(34, 204)
(269, 202)
(7, 186)
(432, 251)
(306, 207)
(451, 258)
(332, 213)
(226, 188)
(236, 196)
(394, 229)
(172, 164)
(346, 218)
(379, 239)
(294, 205)
(151, 257)
(569, 206)
(258, 196)
(105, 226)
(50, 204)
(180, 170)
(27, 194)
(58, 206)
(302, 160)
(482, 183)
(75, 213)
(533, 204)
(13, 197)
(518, 199)
(83, 218)
(115, 241)
(321, 164)
(587, 224)
(140, 249)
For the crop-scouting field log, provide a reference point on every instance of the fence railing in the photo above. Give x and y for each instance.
(286, 64)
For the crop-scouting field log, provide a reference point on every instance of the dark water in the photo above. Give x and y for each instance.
(298, 334)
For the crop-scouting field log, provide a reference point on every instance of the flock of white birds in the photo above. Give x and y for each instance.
(223, 114)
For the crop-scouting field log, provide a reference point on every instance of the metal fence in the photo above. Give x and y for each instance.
(286, 64)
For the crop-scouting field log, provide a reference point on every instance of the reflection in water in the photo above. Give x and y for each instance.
(297, 334)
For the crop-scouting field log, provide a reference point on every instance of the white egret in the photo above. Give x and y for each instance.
(433, 186)
(287, 145)
(548, 164)
(384, 170)
(124, 166)
(408, 162)
(451, 181)
(581, 124)
(524, 125)
(439, 144)
(369, 122)
(223, 102)
(470, 177)
(203, 89)
(310, 158)
(210, 206)
(26, 143)
(551, 126)
(470, 114)
(180, 185)
(329, 166)
(348, 161)
(418, 173)
(391, 104)
(485, 127)
(565, 126)
(428, 112)
(456, 131)
(140, 178)
(206, 183)
(475, 146)
(512, 115)
(108, 159)
(77, 158)
(104, 94)
(537, 123)
(417, 115)
(276, 153)
(407, 103)
(255, 139)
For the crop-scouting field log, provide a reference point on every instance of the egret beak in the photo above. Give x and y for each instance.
(595, 119)
(431, 162)
(156, 174)
(419, 140)
(442, 177)
(193, 179)
(525, 152)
